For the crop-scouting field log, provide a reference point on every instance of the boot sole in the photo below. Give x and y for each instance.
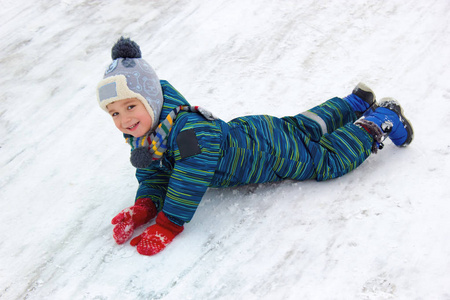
(367, 95)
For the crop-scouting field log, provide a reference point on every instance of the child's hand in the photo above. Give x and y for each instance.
(130, 218)
(155, 238)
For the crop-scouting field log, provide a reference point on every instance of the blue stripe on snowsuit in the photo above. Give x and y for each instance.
(192, 176)
(186, 180)
(252, 149)
(266, 149)
(341, 150)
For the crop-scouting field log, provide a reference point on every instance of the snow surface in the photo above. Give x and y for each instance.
(380, 232)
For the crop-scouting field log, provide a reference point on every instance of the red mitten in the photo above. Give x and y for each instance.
(156, 237)
(130, 218)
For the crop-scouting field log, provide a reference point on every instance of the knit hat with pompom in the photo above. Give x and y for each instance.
(129, 76)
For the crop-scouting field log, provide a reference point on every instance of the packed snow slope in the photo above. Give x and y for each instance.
(380, 232)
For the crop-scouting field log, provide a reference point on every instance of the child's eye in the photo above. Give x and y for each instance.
(114, 114)
(131, 107)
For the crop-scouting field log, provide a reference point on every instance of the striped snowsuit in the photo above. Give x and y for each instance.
(251, 149)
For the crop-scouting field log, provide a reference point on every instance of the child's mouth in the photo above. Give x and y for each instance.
(133, 127)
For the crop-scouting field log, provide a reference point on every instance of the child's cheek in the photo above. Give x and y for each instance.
(117, 124)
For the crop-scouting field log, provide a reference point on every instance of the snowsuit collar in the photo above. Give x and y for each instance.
(152, 146)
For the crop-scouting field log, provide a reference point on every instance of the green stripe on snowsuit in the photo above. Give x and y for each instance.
(252, 149)
(266, 149)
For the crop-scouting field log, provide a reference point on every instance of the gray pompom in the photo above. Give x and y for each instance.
(141, 158)
(125, 48)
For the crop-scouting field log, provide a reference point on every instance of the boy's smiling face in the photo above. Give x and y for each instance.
(130, 116)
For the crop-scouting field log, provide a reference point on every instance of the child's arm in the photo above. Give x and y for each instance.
(197, 152)
(188, 183)
(153, 184)
(150, 196)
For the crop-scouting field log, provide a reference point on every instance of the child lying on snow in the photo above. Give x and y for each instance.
(180, 150)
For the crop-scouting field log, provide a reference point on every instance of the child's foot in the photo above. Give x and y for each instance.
(361, 99)
(389, 117)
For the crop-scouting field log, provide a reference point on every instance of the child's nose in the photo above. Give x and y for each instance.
(126, 119)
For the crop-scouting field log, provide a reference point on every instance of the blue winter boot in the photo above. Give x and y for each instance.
(361, 99)
(390, 121)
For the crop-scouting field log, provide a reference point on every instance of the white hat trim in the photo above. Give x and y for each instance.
(115, 88)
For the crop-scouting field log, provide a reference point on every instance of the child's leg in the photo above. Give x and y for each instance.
(347, 147)
(340, 152)
(334, 113)
(334, 144)
(337, 145)
(324, 118)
